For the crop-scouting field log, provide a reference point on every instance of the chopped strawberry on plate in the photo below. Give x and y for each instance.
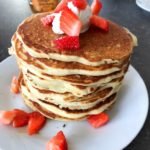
(99, 22)
(58, 142)
(16, 117)
(81, 4)
(36, 122)
(15, 88)
(21, 118)
(62, 4)
(98, 120)
(67, 43)
(6, 117)
(70, 23)
(96, 7)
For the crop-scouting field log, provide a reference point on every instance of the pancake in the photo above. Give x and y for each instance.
(71, 85)
(66, 115)
(44, 79)
(80, 79)
(60, 86)
(117, 44)
(77, 90)
(67, 99)
(53, 67)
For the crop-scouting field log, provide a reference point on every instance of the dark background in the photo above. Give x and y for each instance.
(124, 12)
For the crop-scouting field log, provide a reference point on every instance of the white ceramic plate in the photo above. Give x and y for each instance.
(127, 118)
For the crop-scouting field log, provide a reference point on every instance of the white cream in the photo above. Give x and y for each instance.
(84, 16)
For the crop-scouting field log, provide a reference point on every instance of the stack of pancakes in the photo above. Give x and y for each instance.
(71, 84)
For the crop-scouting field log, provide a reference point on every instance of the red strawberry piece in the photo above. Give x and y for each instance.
(47, 20)
(98, 120)
(58, 142)
(70, 23)
(36, 122)
(62, 4)
(21, 119)
(96, 7)
(67, 43)
(15, 88)
(100, 22)
(6, 117)
(81, 4)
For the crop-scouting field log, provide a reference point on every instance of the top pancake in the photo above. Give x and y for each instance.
(96, 44)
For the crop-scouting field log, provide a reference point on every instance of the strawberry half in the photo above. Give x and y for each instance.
(47, 20)
(15, 88)
(21, 118)
(96, 7)
(99, 22)
(6, 117)
(70, 23)
(81, 4)
(62, 4)
(67, 43)
(58, 142)
(98, 120)
(36, 122)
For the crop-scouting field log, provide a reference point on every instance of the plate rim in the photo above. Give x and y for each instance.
(147, 106)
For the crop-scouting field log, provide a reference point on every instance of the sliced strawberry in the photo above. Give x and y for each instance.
(47, 20)
(6, 117)
(15, 88)
(96, 7)
(81, 4)
(70, 23)
(58, 142)
(67, 43)
(62, 4)
(21, 119)
(36, 122)
(98, 120)
(100, 22)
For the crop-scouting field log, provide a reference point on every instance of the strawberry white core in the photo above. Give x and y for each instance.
(84, 16)
(56, 23)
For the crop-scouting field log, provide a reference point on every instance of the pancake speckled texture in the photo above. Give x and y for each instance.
(71, 85)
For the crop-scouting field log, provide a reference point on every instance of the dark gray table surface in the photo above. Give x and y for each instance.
(124, 12)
